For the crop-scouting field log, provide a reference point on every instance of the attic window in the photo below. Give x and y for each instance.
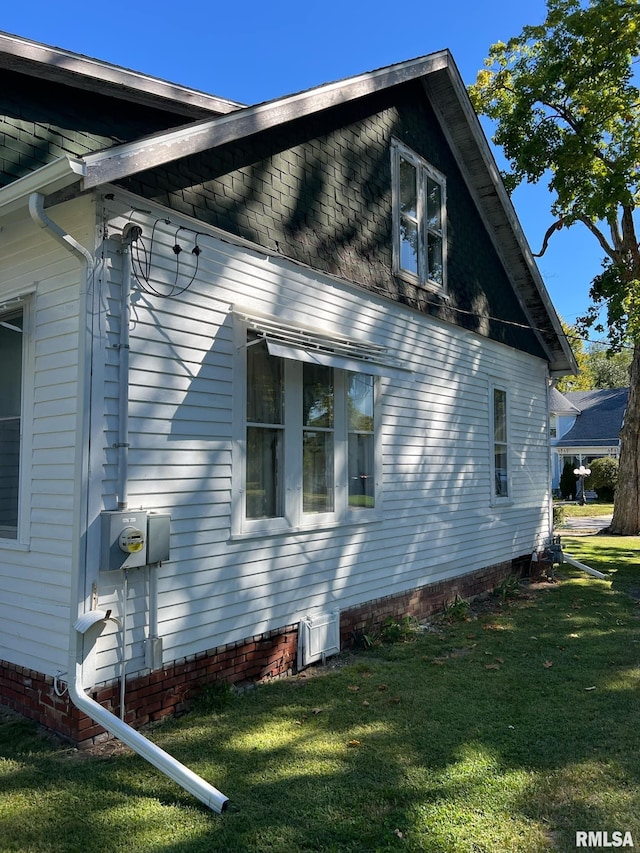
(419, 219)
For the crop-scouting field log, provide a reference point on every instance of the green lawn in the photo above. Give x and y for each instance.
(589, 509)
(506, 731)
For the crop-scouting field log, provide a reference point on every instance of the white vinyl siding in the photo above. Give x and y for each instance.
(432, 435)
(35, 568)
(431, 438)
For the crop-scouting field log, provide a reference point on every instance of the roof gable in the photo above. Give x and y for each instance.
(441, 85)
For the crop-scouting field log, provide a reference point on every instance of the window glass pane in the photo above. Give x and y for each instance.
(265, 393)
(434, 259)
(408, 245)
(499, 415)
(360, 390)
(408, 188)
(264, 460)
(501, 473)
(317, 487)
(10, 402)
(11, 362)
(434, 205)
(360, 402)
(361, 471)
(317, 396)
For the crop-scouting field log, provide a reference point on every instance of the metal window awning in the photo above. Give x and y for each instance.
(299, 344)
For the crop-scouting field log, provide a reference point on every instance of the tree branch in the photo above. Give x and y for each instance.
(613, 254)
(545, 242)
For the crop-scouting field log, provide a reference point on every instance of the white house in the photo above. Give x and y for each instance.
(269, 372)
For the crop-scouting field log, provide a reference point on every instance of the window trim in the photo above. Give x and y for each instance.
(293, 518)
(425, 170)
(496, 499)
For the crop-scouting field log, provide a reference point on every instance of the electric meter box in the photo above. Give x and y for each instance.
(124, 540)
(158, 535)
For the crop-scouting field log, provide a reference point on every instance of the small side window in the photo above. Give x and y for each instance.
(500, 444)
(11, 346)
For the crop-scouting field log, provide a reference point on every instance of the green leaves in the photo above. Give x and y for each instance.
(567, 109)
(563, 98)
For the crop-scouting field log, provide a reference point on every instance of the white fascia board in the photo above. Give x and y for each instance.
(55, 176)
(164, 147)
(54, 63)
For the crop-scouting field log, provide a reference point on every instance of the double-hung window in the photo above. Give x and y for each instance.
(419, 219)
(307, 440)
(11, 347)
(500, 433)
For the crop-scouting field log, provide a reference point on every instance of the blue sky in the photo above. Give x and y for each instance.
(255, 51)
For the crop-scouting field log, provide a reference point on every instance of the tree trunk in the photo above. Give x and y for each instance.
(626, 509)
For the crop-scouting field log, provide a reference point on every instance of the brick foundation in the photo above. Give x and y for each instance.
(426, 600)
(168, 691)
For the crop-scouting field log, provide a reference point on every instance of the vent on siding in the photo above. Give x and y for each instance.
(318, 637)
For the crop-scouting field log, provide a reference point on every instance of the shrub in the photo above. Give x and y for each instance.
(568, 481)
(559, 514)
(604, 477)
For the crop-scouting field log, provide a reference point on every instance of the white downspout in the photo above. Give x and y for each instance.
(81, 623)
(129, 236)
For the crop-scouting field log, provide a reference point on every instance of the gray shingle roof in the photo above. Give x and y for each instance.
(600, 418)
(559, 405)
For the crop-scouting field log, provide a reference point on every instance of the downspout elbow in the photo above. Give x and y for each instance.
(36, 211)
(167, 764)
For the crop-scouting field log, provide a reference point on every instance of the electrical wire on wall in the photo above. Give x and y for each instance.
(142, 257)
(186, 244)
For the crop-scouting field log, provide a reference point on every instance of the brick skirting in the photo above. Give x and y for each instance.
(168, 691)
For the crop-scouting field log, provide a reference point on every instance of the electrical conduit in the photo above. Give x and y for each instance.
(187, 779)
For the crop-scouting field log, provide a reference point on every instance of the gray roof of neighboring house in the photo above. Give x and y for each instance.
(559, 405)
(599, 419)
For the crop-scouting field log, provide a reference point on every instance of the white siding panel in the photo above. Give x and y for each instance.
(35, 577)
(437, 519)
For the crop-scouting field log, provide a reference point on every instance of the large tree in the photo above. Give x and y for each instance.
(567, 110)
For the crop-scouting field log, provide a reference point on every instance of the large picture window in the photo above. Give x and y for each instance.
(419, 219)
(11, 326)
(309, 441)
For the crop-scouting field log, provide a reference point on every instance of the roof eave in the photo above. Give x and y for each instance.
(55, 176)
(158, 149)
(83, 72)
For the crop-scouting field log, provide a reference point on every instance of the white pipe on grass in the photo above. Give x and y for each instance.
(578, 565)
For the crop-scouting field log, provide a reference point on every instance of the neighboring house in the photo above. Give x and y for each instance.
(584, 425)
(269, 373)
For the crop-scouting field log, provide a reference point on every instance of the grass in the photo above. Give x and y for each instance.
(508, 729)
(589, 509)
